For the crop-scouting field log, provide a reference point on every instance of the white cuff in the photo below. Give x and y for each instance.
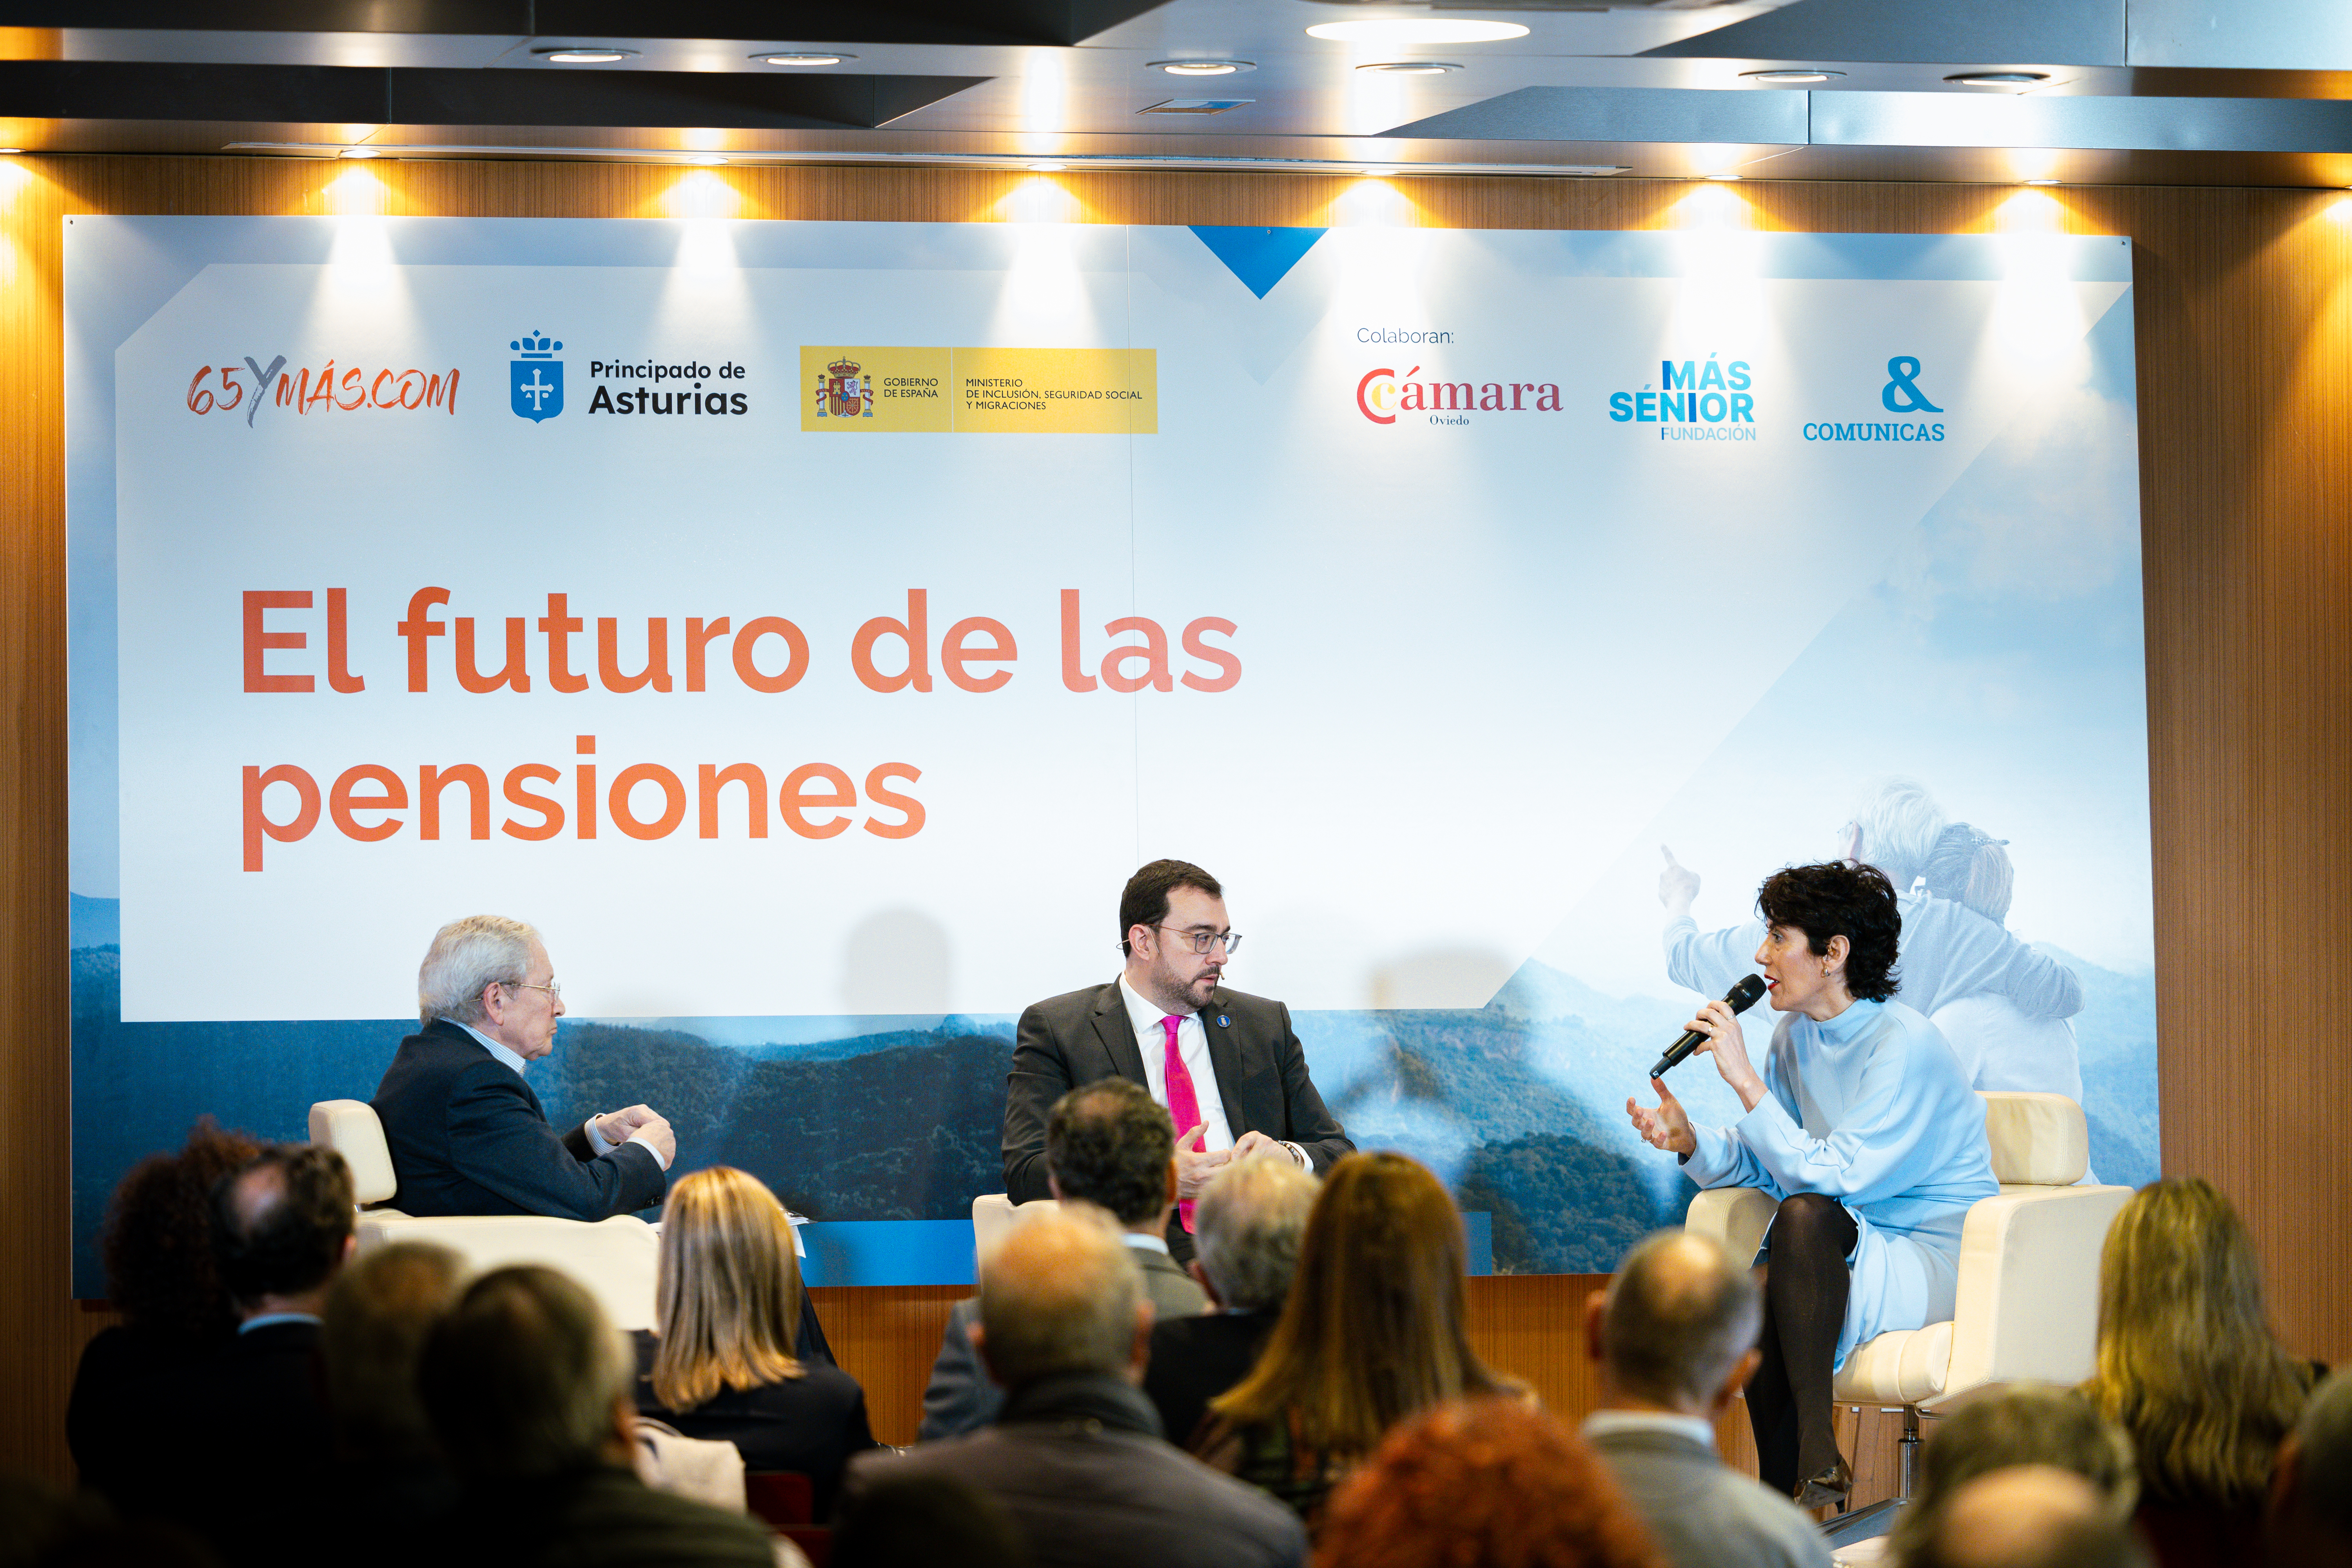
(598, 1144)
(641, 1138)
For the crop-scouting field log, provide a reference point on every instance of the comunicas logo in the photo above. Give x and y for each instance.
(1382, 395)
(538, 396)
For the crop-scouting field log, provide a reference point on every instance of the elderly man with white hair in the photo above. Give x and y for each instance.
(1077, 1457)
(467, 1134)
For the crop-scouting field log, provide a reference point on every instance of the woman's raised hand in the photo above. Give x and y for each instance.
(1668, 1127)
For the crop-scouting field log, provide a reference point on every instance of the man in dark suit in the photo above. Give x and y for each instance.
(527, 1388)
(1227, 1065)
(1077, 1458)
(1251, 1218)
(1110, 1145)
(254, 1439)
(467, 1134)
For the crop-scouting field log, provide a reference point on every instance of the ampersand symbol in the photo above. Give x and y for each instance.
(1902, 367)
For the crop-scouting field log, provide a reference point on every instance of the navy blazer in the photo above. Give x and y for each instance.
(468, 1137)
(1082, 1036)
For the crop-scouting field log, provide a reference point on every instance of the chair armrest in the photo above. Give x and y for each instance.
(617, 1258)
(1735, 1216)
(2029, 1289)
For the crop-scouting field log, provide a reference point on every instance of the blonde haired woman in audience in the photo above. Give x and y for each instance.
(2188, 1369)
(728, 1299)
(1372, 1332)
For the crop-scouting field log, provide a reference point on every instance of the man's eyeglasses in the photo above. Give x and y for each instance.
(1202, 940)
(551, 988)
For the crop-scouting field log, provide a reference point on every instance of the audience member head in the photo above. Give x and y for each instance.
(1834, 899)
(379, 1310)
(1060, 1295)
(2028, 1516)
(2311, 1487)
(2187, 1365)
(2026, 1424)
(729, 1294)
(1969, 866)
(1373, 1331)
(1894, 828)
(1144, 901)
(1247, 1226)
(524, 1378)
(158, 1236)
(43, 1528)
(1482, 1483)
(1676, 1329)
(281, 1227)
(467, 958)
(1110, 1144)
(923, 1521)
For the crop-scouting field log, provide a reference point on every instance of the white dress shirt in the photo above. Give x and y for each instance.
(598, 1144)
(1697, 1429)
(1193, 1049)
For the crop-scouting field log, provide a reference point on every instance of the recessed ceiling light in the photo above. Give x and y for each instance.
(1726, 174)
(801, 59)
(1203, 67)
(2037, 182)
(584, 55)
(1789, 77)
(360, 152)
(1047, 168)
(1416, 31)
(1411, 68)
(1999, 78)
(1378, 173)
(10, 152)
(703, 160)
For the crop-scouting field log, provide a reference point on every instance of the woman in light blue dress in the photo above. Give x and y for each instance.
(1863, 1125)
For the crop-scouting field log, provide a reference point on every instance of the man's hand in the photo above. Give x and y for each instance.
(1250, 1142)
(1194, 1167)
(1668, 1127)
(1678, 886)
(617, 1127)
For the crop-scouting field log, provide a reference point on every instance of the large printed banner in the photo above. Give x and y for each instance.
(810, 626)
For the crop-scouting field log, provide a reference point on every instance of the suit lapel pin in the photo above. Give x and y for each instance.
(1223, 1022)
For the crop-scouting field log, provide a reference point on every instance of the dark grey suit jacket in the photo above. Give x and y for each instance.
(1703, 1513)
(1083, 1035)
(1080, 1465)
(961, 1398)
(468, 1137)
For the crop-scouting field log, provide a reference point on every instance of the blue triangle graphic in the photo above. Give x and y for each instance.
(1258, 257)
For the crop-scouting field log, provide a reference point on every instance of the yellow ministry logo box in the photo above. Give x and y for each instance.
(1078, 392)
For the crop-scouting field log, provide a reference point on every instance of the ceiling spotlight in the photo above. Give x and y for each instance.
(1203, 67)
(10, 152)
(1999, 78)
(359, 152)
(1378, 173)
(797, 59)
(703, 160)
(1047, 168)
(584, 55)
(1416, 31)
(1791, 77)
(2037, 182)
(1726, 174)
(1411, 68)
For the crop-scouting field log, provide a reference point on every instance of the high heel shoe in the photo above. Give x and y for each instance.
(1827, 1490)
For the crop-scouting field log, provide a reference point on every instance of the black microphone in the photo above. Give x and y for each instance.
(1741, 996)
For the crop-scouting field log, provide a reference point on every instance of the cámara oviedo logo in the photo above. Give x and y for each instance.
(1382, 395)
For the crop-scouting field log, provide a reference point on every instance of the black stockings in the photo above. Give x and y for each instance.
(1805, 1285)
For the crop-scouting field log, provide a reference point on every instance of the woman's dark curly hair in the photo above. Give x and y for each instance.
(158, 1237)
(1837, 898)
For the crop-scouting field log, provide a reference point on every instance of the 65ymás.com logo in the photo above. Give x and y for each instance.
(245, 388)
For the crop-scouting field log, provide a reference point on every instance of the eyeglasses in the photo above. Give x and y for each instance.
(1202, 940)
(551, 988)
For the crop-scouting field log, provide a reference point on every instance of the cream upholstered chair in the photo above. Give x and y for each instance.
(992, 1214)
(2029, 1289)
(615, 1259)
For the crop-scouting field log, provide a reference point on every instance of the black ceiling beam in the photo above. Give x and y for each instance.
(374, 95)
(968, 21)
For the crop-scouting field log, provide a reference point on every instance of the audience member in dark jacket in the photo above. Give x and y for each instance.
(1076, 1455)
(527, 1387)
(160, 1276)
(722, 1364)
(1247, 1226)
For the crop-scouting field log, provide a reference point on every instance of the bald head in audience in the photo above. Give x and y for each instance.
(1676, 1331)
(1060, 1294)
(2029, 1516)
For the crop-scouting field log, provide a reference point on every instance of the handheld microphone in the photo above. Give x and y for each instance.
(1741, 996)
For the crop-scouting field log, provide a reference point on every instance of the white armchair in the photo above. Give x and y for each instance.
(991, 1215)
(2028, 1289)
(615, 1259)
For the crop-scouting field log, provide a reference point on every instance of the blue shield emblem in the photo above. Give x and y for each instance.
(535, 387)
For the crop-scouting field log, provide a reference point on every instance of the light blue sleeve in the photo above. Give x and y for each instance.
(1880, 1148)
(1710, 962)
(1723, 1158)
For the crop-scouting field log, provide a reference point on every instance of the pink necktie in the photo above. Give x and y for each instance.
(1183, 1105)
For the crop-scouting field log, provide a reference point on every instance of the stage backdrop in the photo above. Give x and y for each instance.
(810, 626)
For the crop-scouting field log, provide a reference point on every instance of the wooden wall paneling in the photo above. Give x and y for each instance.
(2243, 336)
